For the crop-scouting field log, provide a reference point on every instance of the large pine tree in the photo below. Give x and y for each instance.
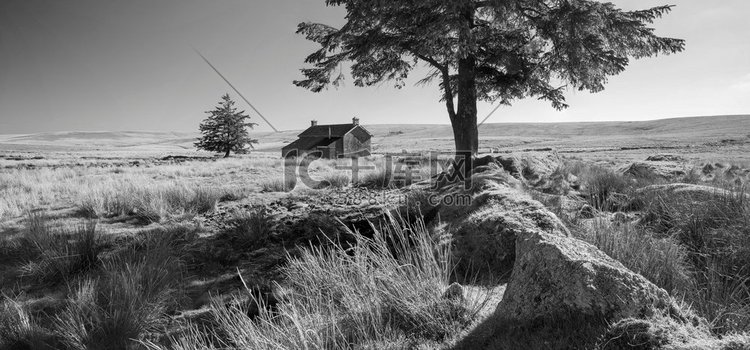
(225, 129)
(483, 50)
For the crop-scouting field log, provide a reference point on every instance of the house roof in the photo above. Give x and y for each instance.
(330, 130)
(307, 143)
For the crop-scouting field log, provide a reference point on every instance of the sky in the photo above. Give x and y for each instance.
(112, 65)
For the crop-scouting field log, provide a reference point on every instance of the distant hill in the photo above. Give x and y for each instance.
(397, 137)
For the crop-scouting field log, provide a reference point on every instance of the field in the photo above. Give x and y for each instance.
(130, 240)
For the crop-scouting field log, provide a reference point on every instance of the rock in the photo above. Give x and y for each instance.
(561, 278)
(556, 282)
(651, 170)
(665, 157)
(531, 169)
(587, 212)
(486, 228)
(454, 291)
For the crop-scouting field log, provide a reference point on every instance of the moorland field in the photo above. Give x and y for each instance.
(575, 235)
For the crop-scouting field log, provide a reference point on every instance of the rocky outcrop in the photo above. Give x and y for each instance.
(557, 277)
(557, 286)
(654, 170)
(486, 220)
(535, 170)
(485, 240)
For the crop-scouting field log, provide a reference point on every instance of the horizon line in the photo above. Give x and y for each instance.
(376, 124)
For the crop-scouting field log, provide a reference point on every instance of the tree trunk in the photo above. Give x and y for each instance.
(226, 155)
(464, 123)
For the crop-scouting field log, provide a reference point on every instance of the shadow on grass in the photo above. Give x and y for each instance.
(564, 330)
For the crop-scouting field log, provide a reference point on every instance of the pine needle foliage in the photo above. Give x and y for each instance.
(483, 50)
(225, 129)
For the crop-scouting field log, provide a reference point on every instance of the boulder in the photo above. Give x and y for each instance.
(533, 167)
(529, 169)
(651, 170)
(559, 290)
(561, 278)
(486, 220)
(485, 240)
(565, 293)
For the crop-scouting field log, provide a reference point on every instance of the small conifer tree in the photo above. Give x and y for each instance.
(225, 129)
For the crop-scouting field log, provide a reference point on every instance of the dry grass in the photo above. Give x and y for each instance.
(285, 184)
(716, 233)
(18, 330)
(129, 299)
(148, 203)
(85, 183)
(380, 177)
(662, 261)
(603, 187)
(53, 255)
(114, 299)
(694, 247)
(251, 229)
(663, 332)
(332, 179)
(385, 291)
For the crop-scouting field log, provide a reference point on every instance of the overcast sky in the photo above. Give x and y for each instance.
(128, 65)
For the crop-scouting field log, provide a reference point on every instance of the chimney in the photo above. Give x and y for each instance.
(313, 123)
(355, 121)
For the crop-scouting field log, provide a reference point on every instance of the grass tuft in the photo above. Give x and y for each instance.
(278, 185)
(663, 261)
(603, 187)
(334, 180)
(56, 255)
(131, 297)
(148, 203)
(715, 229)
(18, 329)
(387, 289)
(251, 229)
